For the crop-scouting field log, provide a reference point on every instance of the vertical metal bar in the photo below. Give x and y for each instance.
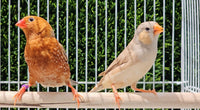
(67, 28)
(184, 79)
(115, 28)
(106, 29)
(125, 24)
(106, 35)
(47, 10)
(198, 40)
(154, 19)
(47, 21)
(28, 7)
(198, 29)
(145, 10)
(38, 7)
(135, 11)
(192, 44)
(0, 43)
(163, 74)
(67, 33)
(38, 14)
(182, 46)
(18, 49)
(86, 45)
(9, 14)
(96, 31)
(154, 10)
(195, 45)
(173, 31)
(188, 43)
(27, 67)
(57, 27)
(57, 20)
(190, 48)
(77, 43)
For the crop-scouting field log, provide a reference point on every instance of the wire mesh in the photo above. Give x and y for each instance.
(95, 32)
(190, 46)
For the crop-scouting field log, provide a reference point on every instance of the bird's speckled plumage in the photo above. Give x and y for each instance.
(45, 56)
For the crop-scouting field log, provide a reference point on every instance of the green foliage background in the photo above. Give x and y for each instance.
(91, 38)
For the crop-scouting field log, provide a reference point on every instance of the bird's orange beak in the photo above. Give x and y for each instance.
(157, 29)
(21, 23)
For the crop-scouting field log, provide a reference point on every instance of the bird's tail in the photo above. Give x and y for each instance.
(73, 82)
(97, 88)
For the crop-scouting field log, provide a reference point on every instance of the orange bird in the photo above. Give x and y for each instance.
(45, 56)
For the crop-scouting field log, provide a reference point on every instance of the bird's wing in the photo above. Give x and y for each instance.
(63, 53)
(125, 59)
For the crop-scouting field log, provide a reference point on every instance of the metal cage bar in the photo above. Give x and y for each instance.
(190, 46)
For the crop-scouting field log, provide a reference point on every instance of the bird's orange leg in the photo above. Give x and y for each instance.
(133, 86)
(117, 97)
(76, 95)
(19, 94)
(147, 91)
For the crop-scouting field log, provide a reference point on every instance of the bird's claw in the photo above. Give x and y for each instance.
(146, 91)
(19, 94)
(117, 99)
(77, 96)
(153, 91)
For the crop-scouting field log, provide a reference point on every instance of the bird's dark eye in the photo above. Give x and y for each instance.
(31, 19)
(147, 28)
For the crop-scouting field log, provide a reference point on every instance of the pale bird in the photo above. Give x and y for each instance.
(133, 62)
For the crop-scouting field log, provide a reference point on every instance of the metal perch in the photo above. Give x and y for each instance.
(102, 100)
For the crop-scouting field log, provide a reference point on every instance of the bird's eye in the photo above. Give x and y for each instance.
(31, 19)
(147, 28)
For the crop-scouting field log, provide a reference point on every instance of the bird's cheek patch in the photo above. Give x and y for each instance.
(145, 38)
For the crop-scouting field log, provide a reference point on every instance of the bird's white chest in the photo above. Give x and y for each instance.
(129, 75)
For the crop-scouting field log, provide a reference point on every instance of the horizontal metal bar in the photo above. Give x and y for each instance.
(82, 82)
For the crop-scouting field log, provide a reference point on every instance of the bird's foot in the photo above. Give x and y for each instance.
(153, 91)
(76, 95)
(117, 97)
(147, 91)
(19, 94)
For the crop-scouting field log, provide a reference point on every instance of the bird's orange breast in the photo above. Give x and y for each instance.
(46, 61)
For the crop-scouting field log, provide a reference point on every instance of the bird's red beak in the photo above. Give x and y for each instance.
(21, 23)
(157, 29)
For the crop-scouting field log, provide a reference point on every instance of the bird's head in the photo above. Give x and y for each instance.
(34, 25)
(148, 32)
